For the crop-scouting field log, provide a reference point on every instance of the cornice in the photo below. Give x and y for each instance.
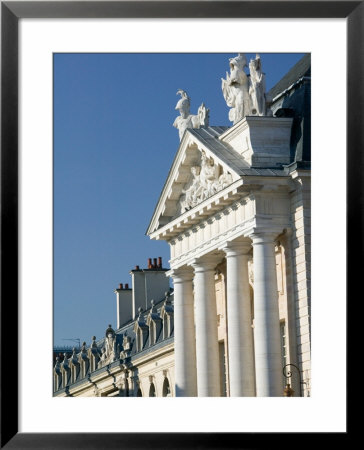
(148, 354)
(258, 222)
(201, 211)
(246, 122)
(212, 244)
(246, 185)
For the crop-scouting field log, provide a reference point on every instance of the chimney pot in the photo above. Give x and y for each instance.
(154, 263)
(136, 267)
(121, 286)
(150, 263)
(160, 262)
(126, 286)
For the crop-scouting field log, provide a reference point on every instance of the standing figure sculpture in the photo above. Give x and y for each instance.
(185, 119)
(235, 89)
(110, 346)
(108, 354)
(257, 86)
(202, 118)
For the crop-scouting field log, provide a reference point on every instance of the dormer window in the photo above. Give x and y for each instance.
(167, 316)
(140, 340)
(57, 374)
(141, 331)
(154, 323)
(83, 361)
(93, 354)
(66, 372)
(152, 333)
(75, 366)
(166, 326)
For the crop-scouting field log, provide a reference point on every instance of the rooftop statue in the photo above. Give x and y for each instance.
(257, 86)
(185, 119)
(235, 89)
(108, 351)
(244, 94)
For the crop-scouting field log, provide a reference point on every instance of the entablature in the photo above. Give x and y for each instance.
(271, 189)
(252, 212)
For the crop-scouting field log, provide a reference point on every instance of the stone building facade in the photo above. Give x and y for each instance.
(235, 211)
(137, 358)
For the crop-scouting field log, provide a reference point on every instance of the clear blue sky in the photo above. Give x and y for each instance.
(114, 144)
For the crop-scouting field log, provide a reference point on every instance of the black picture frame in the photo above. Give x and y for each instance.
(11, 12)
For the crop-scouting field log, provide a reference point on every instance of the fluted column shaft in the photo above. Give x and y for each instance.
(268, 365)
(207, 349)
(240, 333)
(184, 334)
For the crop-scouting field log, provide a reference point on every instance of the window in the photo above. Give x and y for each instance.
(166, 388)
(165, 326)
(152, 390)
(141, 331)
(140, 340)
(152, 333)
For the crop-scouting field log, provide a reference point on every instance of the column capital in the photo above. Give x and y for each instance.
(235, 248)
(206, 263)
(263, 237)
(181, 274)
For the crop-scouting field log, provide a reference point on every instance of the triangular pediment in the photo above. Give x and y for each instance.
(202, 167)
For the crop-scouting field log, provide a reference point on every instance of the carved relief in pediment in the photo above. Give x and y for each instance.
(206, 179)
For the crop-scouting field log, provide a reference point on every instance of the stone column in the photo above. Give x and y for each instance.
(268, 365)
(184, 334)
(240, 333)
(207, 348)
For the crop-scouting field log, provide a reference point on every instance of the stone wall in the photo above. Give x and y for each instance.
(301, 259)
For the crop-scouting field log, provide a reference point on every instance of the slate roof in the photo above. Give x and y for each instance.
(119, 334)
(301, 69)
(298, 102)
(129, 328)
